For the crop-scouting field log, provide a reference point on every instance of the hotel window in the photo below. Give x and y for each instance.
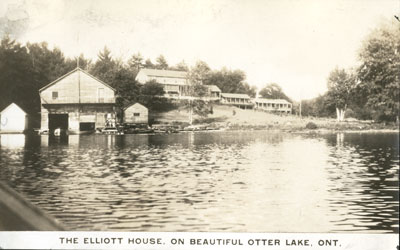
(55, 95)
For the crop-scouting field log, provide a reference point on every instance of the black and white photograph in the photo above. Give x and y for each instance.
(200, 116)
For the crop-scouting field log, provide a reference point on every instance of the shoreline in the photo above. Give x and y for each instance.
(334, 128)
(319, 131)
(252, 128)
(367, 131)
(232, 118)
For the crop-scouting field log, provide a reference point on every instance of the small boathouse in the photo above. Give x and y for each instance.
(136, 114)
(13, 119)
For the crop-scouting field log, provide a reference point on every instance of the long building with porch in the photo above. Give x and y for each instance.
(273, 105)
(239, 100)
(77, 102)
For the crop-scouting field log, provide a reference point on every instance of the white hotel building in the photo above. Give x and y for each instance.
(176, 86)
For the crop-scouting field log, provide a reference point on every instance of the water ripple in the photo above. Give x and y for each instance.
(226, 181)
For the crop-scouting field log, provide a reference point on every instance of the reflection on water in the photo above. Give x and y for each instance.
(12, 141)
(222, 181)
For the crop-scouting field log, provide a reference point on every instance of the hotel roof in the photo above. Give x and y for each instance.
(213, 88)
(165, 73)
(263, 100)
(232, 95)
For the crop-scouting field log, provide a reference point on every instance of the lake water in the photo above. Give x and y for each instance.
(236, 181)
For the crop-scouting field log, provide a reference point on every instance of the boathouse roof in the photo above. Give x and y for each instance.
(70, 73)
(13, 107)
(138, 105)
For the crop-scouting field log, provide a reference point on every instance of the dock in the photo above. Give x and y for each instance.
(18, 214)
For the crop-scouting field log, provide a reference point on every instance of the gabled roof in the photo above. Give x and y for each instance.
(213, 88)
(70, 73)
(165, 73)
(232, 95)
(135, 104)
(264, 100)
(10, 106)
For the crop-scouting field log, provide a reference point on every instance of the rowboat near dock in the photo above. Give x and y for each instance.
(134, 129)
(111, 131)
(137, 129)
(166, 128)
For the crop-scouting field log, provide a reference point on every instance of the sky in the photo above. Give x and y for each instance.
(295, 44)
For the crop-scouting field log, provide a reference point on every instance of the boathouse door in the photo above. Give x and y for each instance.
(58, 121)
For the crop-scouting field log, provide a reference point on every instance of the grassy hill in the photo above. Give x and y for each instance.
(236, 118)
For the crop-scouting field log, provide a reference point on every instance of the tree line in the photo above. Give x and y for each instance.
(369, 90)
(27, 68)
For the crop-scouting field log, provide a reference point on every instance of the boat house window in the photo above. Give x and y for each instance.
(55, 95)
(136, 114)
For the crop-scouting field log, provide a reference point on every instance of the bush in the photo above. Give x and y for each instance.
(158, 104)
(199, 107)
(311, 125)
